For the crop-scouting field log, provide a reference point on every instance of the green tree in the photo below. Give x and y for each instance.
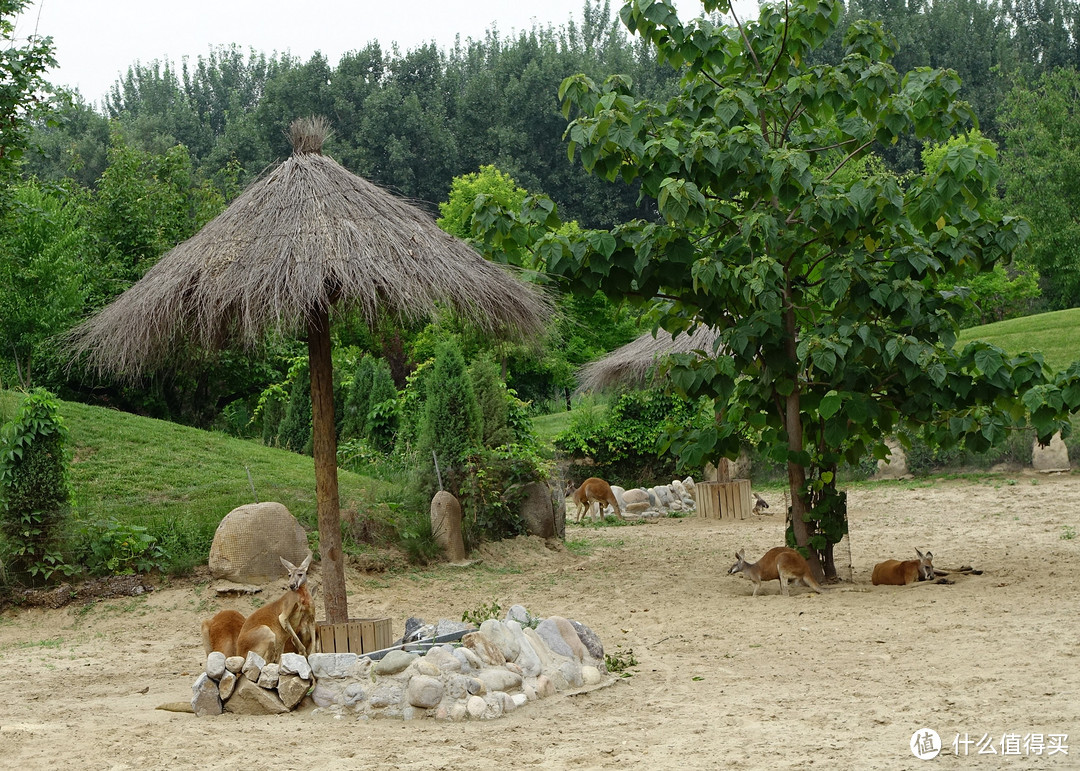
(451, 422)
(42, 250)
(1041, 126)
(493, 401)
(457, 210)
(824, 289)
(294, 431)
(22, 67)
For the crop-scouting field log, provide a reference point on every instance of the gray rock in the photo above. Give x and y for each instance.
(251, 538)
(590, 641)
(250, 699)
(324, 695)
(636, 496)
(226, 686)
(458, 712)
(449, 626)
(332, 664)
(484, 647)
(896, 466)
(393, 662)
(268, 678)
(502, 637)
(253, 666)
(561, 637)
(204, 696)
(443, 660)
(446, 525)
(385, 695)
(520, 614)
(291, 689)
(499, 680)
(235, 664)
(353, 694)
(476, 706)
(1053, 457)
(424, 692)
(591, 676)
(215, 665)
(416, 629)
(538, 510)
(526, 658)
(471, 658)
(295, 664)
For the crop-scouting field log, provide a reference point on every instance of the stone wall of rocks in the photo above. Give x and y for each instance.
(495, 669)
(658, 501)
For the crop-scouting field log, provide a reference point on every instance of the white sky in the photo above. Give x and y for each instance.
(97, 40)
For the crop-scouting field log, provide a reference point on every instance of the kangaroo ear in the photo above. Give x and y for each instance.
(307, 561)
(288, 565)
(919, 553)
(929, 555)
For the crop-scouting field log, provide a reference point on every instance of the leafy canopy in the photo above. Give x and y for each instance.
(823, 284)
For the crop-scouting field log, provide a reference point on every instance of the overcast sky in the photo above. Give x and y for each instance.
(97, 40)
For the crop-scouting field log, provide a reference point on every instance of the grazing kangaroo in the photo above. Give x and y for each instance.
(593, 490)
(219, 632)
(779, 563)
(897, 573)
(288, 620)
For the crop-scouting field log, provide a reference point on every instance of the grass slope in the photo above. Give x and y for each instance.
(1056, 335)
(138, 470)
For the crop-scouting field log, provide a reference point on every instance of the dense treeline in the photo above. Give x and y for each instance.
(107, 189)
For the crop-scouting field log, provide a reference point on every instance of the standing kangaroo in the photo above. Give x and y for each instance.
(897, 573)
(286, 623)
(778, 563)
(593, 490)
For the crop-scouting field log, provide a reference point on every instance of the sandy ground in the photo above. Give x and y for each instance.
(724, 679)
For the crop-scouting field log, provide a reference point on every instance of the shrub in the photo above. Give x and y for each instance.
(451, 422)
(34, 488)
(492, 399)
(294, 433)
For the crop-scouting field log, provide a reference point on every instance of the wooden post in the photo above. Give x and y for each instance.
(324, 446)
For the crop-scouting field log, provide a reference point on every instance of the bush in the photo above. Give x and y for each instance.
(451, 422)
(625, 443)
(34, 488)
(294, 433)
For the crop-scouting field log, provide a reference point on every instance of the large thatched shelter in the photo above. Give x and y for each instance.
(635, 363)
(307, 237)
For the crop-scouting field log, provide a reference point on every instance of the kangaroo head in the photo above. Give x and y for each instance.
(740, 563)
(926, 566)
(297, 575)
(570, 488)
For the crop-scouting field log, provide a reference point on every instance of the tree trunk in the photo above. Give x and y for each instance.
(324, 448)
(793, 423)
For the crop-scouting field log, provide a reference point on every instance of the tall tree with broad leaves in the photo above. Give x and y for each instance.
(22, 67)
(823, 285)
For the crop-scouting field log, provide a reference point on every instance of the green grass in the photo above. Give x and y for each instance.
(179, 480)
(1056, 335)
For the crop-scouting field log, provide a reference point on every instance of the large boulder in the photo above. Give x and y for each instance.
(896, 466)
(446, 525)
(1052, 457)
(250, 541)
(541, 510)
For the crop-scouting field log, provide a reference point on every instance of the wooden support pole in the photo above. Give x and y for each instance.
(324, 445)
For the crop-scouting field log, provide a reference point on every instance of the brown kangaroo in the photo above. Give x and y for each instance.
(897, 573)
(219, 632)
(287, 621)
(593, 490)
(778, 563)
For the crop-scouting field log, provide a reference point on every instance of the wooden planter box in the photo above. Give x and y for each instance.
(723, 500)
(357, 635)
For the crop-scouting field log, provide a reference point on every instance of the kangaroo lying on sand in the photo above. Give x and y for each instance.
(286, 624)
(897, 573)
(779, 563)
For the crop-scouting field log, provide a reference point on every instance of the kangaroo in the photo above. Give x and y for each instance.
(760, 504)
(219, 632)
(897, 573)
(593, 490)
(779, 563)
(287, 621)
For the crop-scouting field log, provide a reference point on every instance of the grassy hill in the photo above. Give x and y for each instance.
(181, 481)
(1056, 335)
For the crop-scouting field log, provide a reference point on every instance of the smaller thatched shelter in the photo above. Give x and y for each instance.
(635, 364)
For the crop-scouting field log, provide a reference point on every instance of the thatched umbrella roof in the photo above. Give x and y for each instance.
(309, 236)
(635, 363)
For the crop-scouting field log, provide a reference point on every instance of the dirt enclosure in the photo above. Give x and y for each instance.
(835, 681)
